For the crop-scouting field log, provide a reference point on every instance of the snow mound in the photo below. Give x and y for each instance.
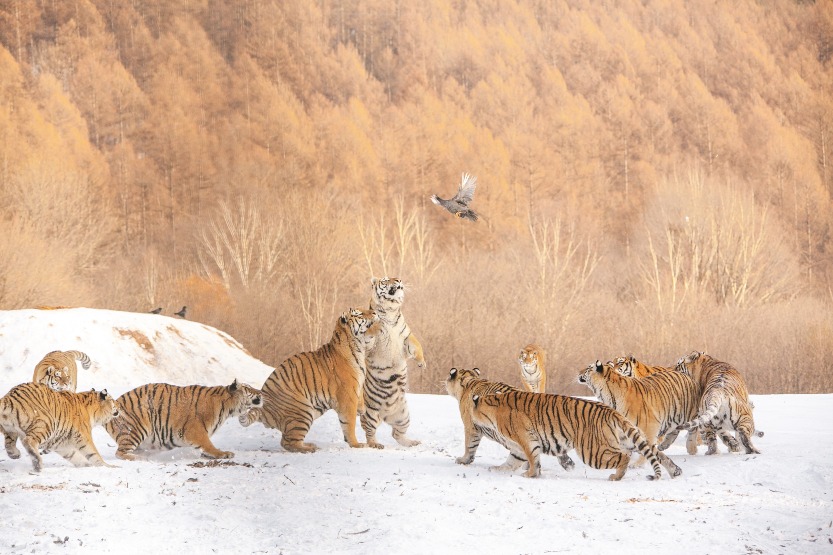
(127, 349)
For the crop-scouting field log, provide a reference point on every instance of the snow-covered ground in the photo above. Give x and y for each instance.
(397, 500)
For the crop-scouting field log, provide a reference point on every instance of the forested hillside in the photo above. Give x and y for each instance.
(654, 176)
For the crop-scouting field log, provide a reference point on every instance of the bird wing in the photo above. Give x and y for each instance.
(466, 191)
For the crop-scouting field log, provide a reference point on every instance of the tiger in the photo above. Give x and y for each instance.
(165, 416)
(724, 402)
(533, 368)
(656, 404)
(387, 369)
(306, 385)
(529, 424)
(59, 421)
(56, 379)
(462, 385)
(64, 361)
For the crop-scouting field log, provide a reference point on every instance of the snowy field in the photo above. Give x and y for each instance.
(397, 500)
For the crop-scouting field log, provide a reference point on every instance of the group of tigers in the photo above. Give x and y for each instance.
(642, 408)
(362, 372)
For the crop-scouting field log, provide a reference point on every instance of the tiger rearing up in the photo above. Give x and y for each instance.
(533, 368)
(59, 421)
(387, 368)
(529, 424)
(63, 361)
(306, 385)
(165, 416)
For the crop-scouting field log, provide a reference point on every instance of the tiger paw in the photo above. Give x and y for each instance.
(375, 445)
(464, 460)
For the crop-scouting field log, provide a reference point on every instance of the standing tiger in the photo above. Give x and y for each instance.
(529, 424)
(533, 368)
(59, 421)
(63, 361)
(387, 368)
(463, 385)
(306, 385)
(656, 404)
(724, 400)
(165, 416)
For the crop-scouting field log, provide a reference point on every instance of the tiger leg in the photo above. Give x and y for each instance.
(514, 460)
(532, 451)
(692, 441)
(128, 435)
(414, 350)
(669, 465)
(82, 454)
(11, 445)
(348, 403)
(621, 464)
(294, 431)
(729, 441)
(472, 442)
(746, 429)
(370, 421)
(399, 419)
(31, 444)
(565, 461)
(669, 439)
(709, 438)
(199, 438)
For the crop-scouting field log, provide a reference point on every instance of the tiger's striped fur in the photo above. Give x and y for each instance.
(306, 385)
(529, 424)
(59, 421)
(724, 402)
(387, 368)
(64, 361)
(165, 416)
(656, 404)
(463, 385)
(533, 368)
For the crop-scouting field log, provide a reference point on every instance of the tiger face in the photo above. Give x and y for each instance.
(528, 359)
(103, 407)
(594, 376)
(389, 292)
(57, 379)
(244, 398)
(363, 325)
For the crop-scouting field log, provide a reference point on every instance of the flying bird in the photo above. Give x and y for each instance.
(459, 203)
(156, 310)
(181, 313)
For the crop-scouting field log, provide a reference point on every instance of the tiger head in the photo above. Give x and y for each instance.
(57, 379)
(388, 293)
(595, 376)
(458, 380)
(690, 363)
(625, 365)
(362, 325)
(101, 405)
(244, 397)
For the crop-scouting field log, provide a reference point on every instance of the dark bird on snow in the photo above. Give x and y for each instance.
(156, 310)
(459, 203)
(181, 313)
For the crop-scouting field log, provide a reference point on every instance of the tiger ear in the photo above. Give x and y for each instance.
(475, 399)
(233, 386)
(453, 373)
(599, 367)
(343, 318)
(476, 370)
(374, 281)
(102, 394)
